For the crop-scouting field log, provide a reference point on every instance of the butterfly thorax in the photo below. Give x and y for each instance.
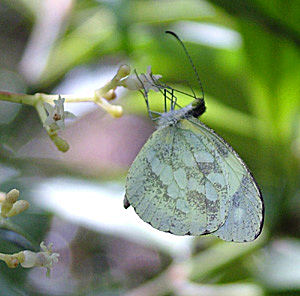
(172, 117)
(195, 109)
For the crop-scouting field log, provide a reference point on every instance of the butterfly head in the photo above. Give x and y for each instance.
(198, 107)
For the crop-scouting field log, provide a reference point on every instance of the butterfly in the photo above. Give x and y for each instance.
(187, 180)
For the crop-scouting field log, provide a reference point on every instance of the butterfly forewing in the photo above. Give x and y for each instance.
(144, 190)
(171, 184)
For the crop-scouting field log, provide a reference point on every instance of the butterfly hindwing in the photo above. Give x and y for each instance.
(144, 190)
(245, 205)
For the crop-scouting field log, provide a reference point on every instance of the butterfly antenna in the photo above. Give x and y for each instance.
(190, 59)
(192, 90)
(167, 90)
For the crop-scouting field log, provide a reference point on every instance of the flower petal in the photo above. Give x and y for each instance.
(60, 123)
(69, 115)
(49, 108)
(49, 120)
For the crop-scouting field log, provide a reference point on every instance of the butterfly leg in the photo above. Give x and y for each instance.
(174, 99)
(145, 95)
(167, 90)
(165, 99)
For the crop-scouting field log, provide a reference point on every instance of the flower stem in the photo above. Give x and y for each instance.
(33, 99)
(68, 98)
(18, 98)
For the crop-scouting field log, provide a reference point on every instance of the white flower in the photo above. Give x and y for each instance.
(141, 82)
(46, 258)
(57, 114)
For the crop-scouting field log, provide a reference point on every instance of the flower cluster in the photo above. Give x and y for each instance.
(50, 108)
(28, 259)
(54, 116)
(143, 82)
(10, 205)
(46, 258)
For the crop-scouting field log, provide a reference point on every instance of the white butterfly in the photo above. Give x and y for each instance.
(187, 180)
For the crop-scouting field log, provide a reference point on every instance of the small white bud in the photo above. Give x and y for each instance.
(29, 259)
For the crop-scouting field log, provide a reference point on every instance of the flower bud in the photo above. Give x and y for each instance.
(116, 111)
(60, 143)
(123, 71)
(18, 207)
(110, 95)
(2, 196)
(5, 208)
(12, 196)
(29, 259)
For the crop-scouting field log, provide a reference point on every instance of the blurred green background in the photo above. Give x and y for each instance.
(247, 55)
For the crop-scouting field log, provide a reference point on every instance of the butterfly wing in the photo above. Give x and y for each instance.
(243, 203)
(188, 180)
(169, 187)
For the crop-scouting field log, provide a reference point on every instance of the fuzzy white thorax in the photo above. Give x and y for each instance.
(172, 117)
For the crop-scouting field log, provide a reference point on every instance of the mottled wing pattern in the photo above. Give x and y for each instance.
(144, 191)
(188, 180)
(243, 202)
(207, 190)
(172, 184)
